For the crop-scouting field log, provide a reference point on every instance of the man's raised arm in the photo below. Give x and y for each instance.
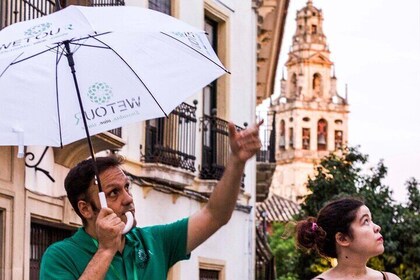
(217, 212)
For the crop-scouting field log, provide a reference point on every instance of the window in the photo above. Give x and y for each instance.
(282, 143)
(293, 85)
(338, 139)
(211, 269)
(306, 138)
(291, 145)
(314, 29)
(322, 135)
(317, 85)
(213, 146)
(208, 274)
(43, 236)
(163, 6)
(210, 91)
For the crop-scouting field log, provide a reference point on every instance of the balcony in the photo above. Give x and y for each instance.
(171, 141)
(266, 161)
(215, 147)
(104, 3)
(13, 11)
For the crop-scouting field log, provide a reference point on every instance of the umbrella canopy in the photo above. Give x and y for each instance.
(130, 64)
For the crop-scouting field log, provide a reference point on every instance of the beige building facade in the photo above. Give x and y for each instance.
(311, 117)
(174, 163)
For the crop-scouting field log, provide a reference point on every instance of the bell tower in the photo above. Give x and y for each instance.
(310, 116)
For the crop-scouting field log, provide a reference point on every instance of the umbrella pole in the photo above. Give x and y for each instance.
(102, 199)
(70, 60)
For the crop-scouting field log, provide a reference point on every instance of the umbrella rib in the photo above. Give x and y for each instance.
(29, 57)
(13, 62)
(224, 69)
(57, 60)
(134, 72)
(53, 48)
(91, 46)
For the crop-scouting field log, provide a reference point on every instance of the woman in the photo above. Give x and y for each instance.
(344, 230)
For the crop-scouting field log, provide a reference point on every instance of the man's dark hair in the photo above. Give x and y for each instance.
(80, 177)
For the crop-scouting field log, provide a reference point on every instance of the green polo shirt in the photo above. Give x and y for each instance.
(148, 254)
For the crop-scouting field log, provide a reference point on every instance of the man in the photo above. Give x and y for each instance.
(99, 250)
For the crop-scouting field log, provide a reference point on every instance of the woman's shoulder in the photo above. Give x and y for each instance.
(320, 277)
(391, 276)
(385, 275)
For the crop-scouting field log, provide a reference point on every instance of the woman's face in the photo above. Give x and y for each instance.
(366, 234)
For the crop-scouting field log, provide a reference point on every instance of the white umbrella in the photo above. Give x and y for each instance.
(127, 64)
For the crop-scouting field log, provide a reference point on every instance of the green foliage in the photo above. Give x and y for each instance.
(407, 234)
(341, 174)
(283, 248)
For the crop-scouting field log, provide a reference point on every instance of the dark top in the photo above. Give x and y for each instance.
(383, 274)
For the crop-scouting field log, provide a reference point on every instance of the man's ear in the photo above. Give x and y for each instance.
(342, 239)
(85, 209)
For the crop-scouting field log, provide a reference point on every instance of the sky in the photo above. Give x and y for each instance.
(375, 47)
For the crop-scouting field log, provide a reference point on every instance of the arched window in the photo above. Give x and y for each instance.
(291, 145)
(338, 139)
(317, 85)
(282, 139)
(306, 138)
(293, 85)
(322, 134)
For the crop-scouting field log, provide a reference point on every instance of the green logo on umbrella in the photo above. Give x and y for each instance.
(38, 29)
(100, 93)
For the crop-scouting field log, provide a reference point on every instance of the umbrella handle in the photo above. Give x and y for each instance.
(128, 214)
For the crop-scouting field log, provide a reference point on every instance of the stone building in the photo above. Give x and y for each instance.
(311, 118)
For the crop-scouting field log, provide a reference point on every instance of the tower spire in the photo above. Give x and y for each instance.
(312, 116)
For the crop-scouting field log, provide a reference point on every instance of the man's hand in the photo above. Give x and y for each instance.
(246, 143)
(109, 229)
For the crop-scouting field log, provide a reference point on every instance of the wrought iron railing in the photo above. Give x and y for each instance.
(268, 137)
(12, 11)
(161, 6)
(116, 131)
(103, 3)
(215, 149)
(171, 140)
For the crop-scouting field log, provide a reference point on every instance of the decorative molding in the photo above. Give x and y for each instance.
(75, 152)
(271, 19)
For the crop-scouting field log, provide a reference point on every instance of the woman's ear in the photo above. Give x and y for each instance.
(342, 239)
(85, 209)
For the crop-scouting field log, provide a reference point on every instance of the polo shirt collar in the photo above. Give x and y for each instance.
(85, 240)
(141, 257)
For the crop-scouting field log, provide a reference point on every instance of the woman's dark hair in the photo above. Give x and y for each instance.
(80, 177)
(319, 233)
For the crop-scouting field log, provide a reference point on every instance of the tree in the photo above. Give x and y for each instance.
(282, 245)
(407, 234)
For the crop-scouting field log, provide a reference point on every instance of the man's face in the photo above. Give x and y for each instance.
(116, 187)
